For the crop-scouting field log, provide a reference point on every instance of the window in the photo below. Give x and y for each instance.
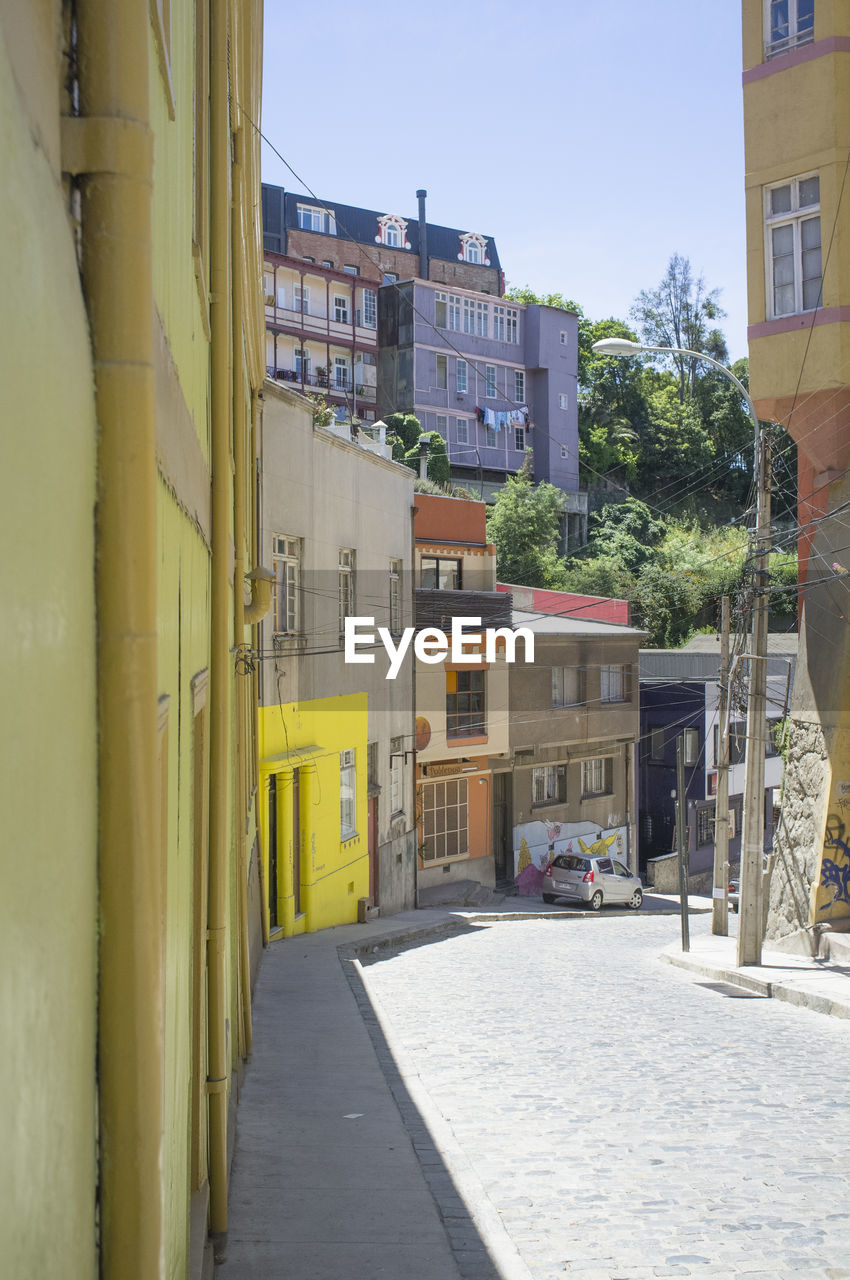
(350, 269)
(792, 223)
(347, 795)
(340, 308)
(549, 784)
(519, 439)
(268, 287)
(499, 323)
(370, 309)
(438, 574)
(396, 775)
(281, 296)
(286, 560)
(789, 23)
(490, 381)
(313, 219)
(302, 363)
(482, 319)
(563, 337)
(390, 277)
(563, 401)
(469, 315)
(462, 380)
(705, 825)
(442, 372)
(444, 819)
(442, 425)
(301, 298)
(564, 453)
(346, 585)
(490, 439)
(440, 310)
(464, 704)
(462, 431)
(341, 372)
(567, 686)
(519, 386)
(454, 312)
(511, 325)
(392, 238)
(691, 746)
(614, 684)
(395, 597)
(473, 253)
(597, 776)
(327, 263)
(656, 742)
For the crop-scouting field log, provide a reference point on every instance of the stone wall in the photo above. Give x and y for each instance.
(799, 837)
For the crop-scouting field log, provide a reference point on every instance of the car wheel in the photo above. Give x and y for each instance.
(548, 897)
(596, 901)
(635, 900)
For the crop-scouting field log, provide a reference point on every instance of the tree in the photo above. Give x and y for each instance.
(560, 303)
(525, 526)
(678, 313)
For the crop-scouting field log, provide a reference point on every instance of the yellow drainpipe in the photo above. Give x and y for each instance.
(221, 661)
(110, 145)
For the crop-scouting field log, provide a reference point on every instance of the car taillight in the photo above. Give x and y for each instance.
(588, 877)
(548, 870)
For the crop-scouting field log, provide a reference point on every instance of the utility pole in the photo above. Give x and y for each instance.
(682, 839)
(751, 919)
(720, 893)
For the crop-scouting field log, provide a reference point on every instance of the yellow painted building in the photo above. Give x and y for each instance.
(130, 866)
(796, 57)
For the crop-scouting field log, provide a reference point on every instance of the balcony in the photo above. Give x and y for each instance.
(321, 381)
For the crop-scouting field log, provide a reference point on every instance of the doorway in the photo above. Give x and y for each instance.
(503, 843)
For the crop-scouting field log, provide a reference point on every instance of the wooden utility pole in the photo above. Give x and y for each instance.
(751, 919)
(720, 893)
(682, 839)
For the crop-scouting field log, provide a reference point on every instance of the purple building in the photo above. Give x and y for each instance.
(494, 377)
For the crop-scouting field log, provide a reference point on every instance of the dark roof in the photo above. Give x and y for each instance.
(361, 225)
(687, 664)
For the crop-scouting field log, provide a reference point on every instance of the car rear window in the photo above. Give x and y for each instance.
(570, 862)
(604, 864)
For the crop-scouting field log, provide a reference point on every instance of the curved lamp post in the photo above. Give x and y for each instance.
(751, 918)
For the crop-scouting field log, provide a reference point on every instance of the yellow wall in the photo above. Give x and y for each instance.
(334, 873)
(48, 904)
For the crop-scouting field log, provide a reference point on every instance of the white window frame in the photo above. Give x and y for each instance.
(614, 682)
(347, 794)
(342, 367)
(342, 311)
(512, 325)
(469, 316)
(795, 218)
(490, 391)
(462, 377)
(690, 751)
(490, 438)
(301, 298)
(462, 429)
(519, 439)
(441, 310)
(311, 218)
(548, 785)
(346, 585)
(302, 360)
(519, 386)
(482, 319)
(370, 309)
(286, 564)
(597, 777)
(795, 37)
(268, 287)
(567, 687)
(563, 400)
(395, 597)
(442, 376)
(396, 776)
(454, 312)
(498, 323)
(442, 425)
(564, 338)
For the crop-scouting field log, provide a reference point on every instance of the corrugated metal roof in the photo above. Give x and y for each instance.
(554, 624)
(687, 664)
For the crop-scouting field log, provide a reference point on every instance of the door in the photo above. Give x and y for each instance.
(374, 887)
(296, 841)
(273, 850)
(503, 844)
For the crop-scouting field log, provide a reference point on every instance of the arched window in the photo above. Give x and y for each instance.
(392, 232)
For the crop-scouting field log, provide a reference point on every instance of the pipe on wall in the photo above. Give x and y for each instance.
(112, 142)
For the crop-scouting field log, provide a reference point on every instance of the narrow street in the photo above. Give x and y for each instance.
(626, 1119)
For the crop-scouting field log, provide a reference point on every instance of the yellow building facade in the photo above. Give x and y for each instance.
(131, 873)
(796, 79)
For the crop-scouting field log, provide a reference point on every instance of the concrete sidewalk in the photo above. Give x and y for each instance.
(335, 1173)
(820, 985)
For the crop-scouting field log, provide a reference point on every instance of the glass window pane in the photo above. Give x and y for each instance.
(783, 269)
(451, 793)
(811, 293)
(780, 199)
(783, 240)
(805, 15)
(810, 232)
(783, 300)
(809, 191)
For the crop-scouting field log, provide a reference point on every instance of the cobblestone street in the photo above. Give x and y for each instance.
(626, 1119)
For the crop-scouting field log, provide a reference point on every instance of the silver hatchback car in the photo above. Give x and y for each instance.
(593, 880)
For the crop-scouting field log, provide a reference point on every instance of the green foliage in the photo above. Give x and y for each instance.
(405, 427)
(625, 532)
(677, 314)
(323, 413)
(524, 523)
(667, 601)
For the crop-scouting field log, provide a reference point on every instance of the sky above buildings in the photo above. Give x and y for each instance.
(590, 140)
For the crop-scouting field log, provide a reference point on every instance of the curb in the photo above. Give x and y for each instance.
(781, 990)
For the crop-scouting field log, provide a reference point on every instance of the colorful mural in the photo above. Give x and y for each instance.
(537, 843)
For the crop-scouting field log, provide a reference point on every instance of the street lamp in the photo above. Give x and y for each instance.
(750, 920)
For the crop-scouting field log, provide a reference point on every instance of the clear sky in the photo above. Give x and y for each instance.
(590, 140)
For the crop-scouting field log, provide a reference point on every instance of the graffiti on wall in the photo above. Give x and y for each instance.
(537, 843)
(833, 896)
